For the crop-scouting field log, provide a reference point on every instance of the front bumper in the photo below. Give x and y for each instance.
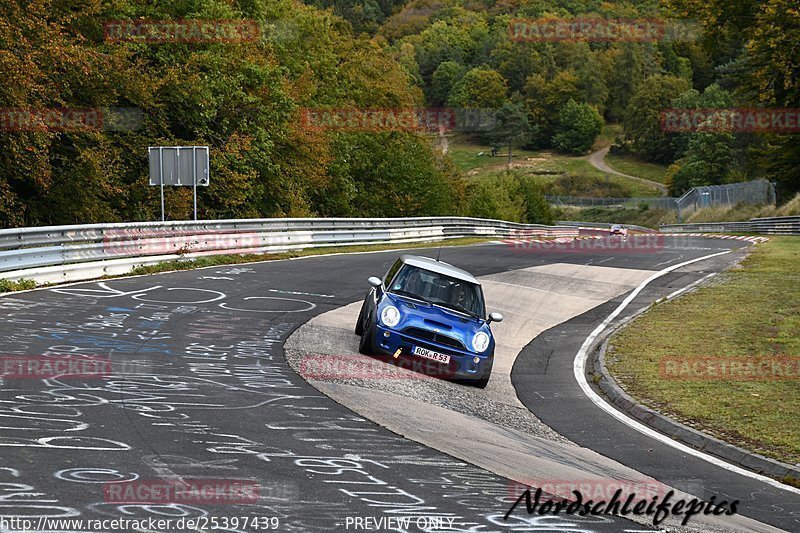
(462, 363)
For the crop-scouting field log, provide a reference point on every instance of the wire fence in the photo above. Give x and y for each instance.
(757, 192)
(589, 201)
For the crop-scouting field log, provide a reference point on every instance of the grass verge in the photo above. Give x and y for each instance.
(649, 218)
(572, 176)
(752, 311)
(633, 166)
(20, 285)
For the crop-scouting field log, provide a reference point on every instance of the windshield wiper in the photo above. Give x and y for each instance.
(458, 308)
(411, 295)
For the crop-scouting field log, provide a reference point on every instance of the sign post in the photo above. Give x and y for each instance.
(161, 178)
(179, 166)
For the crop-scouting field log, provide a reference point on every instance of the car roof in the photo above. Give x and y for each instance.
(440, 267)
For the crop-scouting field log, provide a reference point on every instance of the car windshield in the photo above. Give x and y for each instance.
(439, 289)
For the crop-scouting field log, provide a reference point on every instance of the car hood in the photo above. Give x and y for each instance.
(432, 317)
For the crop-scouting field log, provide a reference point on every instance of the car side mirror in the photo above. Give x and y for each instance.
(375, 282)
(495, 317)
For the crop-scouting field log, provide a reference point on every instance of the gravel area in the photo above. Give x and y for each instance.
(330, 354)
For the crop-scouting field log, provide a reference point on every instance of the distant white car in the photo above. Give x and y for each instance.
(619, 229)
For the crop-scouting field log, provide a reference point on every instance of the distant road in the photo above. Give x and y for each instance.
(597, 160)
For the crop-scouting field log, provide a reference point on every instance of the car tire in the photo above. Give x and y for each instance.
(359, 330)
(365, 343)
(482, 381)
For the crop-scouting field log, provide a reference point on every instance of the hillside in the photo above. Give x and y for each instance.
(248, 98)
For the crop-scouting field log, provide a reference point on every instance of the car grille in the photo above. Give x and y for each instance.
(435, 337)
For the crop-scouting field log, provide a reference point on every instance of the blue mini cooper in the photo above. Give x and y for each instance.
(429, 312)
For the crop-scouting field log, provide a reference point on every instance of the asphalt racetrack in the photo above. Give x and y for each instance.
(200, 388)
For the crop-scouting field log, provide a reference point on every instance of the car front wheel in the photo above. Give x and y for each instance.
(365, 342)
(359, 330)
(482, 381)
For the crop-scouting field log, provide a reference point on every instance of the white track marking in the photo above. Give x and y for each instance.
(309, 305)
(578, 370)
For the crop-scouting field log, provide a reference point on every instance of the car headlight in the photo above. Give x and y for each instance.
(480, 341)
(390, 316)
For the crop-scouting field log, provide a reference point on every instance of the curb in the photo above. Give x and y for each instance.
(674, 429)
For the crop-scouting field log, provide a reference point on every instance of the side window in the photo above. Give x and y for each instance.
(392, 271)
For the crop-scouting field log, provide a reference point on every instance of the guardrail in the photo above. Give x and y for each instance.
(767, 225)
(57, 254)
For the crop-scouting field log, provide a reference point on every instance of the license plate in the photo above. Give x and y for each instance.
(430, 354)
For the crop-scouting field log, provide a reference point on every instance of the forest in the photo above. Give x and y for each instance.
(245, 95)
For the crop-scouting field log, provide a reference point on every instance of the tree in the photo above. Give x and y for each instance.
(457, 37)
(543, 100)
(480, 88)
(713, 97)
(444, 78)
(496, 196)
(387, 174)
(591, 84)
(772, 78)
(578, 127)
(707, 162)
(626, 75)
(364, 15)
(243, 99)
(511, 128)
(537, 209)
(642, 123)
(757, 42)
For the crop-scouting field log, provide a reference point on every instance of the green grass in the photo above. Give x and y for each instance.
(650, 218)
(20, 285)
(633, 166)
(549, 166)
(753, 312)
(465, 154)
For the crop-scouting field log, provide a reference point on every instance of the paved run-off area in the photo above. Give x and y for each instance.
(489, 428)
